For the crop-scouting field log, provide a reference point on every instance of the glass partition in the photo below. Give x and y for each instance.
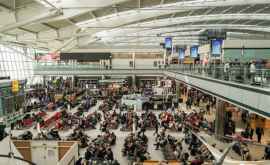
(235, 73)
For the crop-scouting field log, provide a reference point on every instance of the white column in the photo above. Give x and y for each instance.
(134, 81)
(219, 120)
(134, 120)
(164, 57)
(133, 59)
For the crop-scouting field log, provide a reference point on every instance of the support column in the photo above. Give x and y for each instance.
(178, 92)
(133, 60)
(164, 58)
(72, 82)
(134, 81)
(44, 80)
(219, 119)
(158, 81)
(102, 77)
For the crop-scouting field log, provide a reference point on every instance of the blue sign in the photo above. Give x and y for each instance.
(181, 53)
(168, 43)
(194, 51)
(216, 47)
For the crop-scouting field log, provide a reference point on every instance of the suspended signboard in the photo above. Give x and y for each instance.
(194, 51)
(15, 86)
(181, 53)
(168, 42)
(216, 47)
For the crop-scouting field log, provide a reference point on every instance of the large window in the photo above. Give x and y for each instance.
(16, 62)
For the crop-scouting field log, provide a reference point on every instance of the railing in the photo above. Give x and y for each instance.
(238, 73)
(61, 66)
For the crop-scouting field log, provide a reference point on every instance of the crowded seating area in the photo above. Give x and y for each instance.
(136, 147)
(110, 113)
(99, 123)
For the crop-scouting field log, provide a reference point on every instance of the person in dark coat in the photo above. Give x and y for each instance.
(259, 133)
(267, 152)
(79, 161)
(109, 154)
(156, 127)
(251, 132)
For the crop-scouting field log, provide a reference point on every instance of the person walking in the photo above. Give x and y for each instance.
(259, 133)
(156, 127)
(226, 71)
(251, 132)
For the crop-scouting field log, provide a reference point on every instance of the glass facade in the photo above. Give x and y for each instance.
(16, 62)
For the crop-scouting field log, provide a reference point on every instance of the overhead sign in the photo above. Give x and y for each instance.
(181, 53)
(194, 51)
(216, 47)
(15, 86)
(168, 42)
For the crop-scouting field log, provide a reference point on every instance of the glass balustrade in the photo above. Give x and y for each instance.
(235, 73)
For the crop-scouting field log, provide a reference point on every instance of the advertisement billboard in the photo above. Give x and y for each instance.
(216, 47)
(181, 52)
(168, 42)
(194, 51)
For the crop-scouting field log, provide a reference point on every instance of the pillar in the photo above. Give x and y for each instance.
(164, 57)
(44, 81)
(178, 92)
(134, 81)
(102, 77)
(219, 119)
(133, 59)
(157, 81)
(72, 82)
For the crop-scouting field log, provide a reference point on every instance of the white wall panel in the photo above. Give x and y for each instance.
(121, 63)
(147, 63)
(246, 43)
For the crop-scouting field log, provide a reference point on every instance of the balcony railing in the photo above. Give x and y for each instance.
(236, 73)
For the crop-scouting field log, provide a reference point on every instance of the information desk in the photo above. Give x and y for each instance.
(134, 100)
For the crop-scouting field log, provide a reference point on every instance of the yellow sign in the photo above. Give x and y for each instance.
(15, 86)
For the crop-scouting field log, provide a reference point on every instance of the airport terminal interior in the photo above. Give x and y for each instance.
(134, 82)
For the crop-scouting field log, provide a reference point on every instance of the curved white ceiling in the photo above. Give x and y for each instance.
(139, 22)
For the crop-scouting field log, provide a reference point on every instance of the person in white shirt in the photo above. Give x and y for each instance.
(226, 71)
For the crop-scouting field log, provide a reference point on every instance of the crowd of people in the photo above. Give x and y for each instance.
(111, 113)
(99, 150)
(135, 147)
(194, 153)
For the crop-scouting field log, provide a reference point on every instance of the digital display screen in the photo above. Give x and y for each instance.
(216, 47)
(168, 43)
(194, 51)
(181, 53)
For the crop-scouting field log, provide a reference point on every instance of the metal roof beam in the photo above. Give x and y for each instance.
(162, 2)
(49, 26)
(244, 9)
(29, 21)
(6, 8)
(257, 11)
(93, 15)
(225, 11)
(27, 30)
